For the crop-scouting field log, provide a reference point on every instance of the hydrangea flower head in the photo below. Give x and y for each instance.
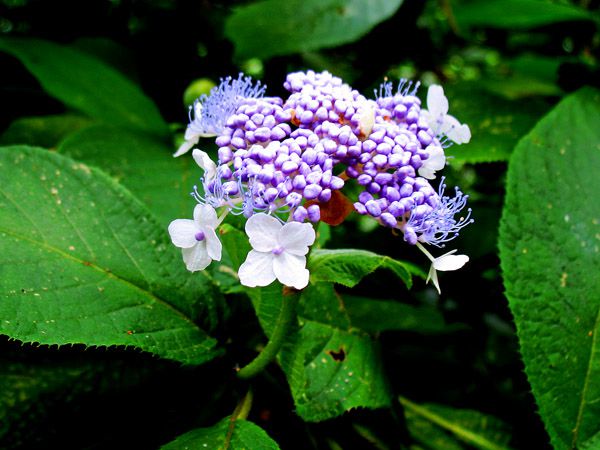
(278, 252)
(283, 162)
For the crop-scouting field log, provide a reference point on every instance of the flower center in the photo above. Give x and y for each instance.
(199, 236)
(277, 250)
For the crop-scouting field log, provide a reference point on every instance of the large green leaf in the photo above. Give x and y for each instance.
(228, 434)
(331, 367)
(42, 131)
(349, 266)
(81, 262)
(143, 164)
(438, 426)
(550, 254)
(297, 26)
(496, 123)
(517, 13)
(87, 84)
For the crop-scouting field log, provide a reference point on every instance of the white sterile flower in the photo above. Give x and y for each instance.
(440, 121)
(436, 161)
(197, 238)
(192, 133)
(205, 163)
(446, 262)
(278, 252)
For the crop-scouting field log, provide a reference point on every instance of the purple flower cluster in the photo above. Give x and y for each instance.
(276, 155)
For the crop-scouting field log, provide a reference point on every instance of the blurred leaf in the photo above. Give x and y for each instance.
(142, 163)
(374, 316)
(81, 262)
(496, 123)
(228, 434)
(348, 266)
(550, 254)
(109, 52)
(517, 14)
(296, 26)
(87, 84)
(32, 387)
(467, 426)
(42, 131)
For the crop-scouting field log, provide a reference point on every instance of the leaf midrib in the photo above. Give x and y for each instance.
(107, 273)
(455, 428)
(582, 401)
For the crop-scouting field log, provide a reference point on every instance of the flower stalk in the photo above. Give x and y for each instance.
(285, 321)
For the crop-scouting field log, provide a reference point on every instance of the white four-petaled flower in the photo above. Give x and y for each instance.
(440, 121)
(278, 252)
(197, 238)
(446, 262)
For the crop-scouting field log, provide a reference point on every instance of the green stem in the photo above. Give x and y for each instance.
(287, 317)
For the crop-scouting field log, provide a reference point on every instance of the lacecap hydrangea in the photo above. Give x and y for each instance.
(283, 164)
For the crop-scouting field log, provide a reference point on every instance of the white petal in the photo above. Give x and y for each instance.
(290, 270)
(205, 163)
(296, 237)
(196, 258)
(205, 216)
(257, 270)
(434, 279)
(460, 134)
(183, 232)
(436, 161)
(187, 145)
(437, 103)
(450, 262)
(262, 230)
(213, 244)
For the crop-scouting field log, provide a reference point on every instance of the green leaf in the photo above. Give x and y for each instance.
(332, 371)
(228, 434)
(550, 256)
(81, 262)
(42, 131)
(297, 26)
(331, 367)
(130, 157)
(349, 266)
(496, 123)
(522, 14)
(471, 427)
(87, 84)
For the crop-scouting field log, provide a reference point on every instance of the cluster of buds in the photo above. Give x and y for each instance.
(283, 164)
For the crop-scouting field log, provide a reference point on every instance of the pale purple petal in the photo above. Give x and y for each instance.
(437, 103)
(213, 244)
(257, 270)
(450, 262)
(205, 216)
(183, 232)
(187, 145)
(296, 237)
(290, 270)
(262, 230)
(196, 258)
(205, 163)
